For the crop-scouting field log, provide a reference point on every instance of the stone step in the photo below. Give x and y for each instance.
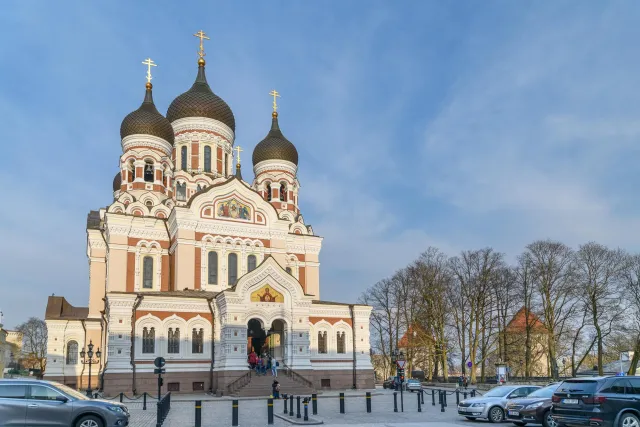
(260, 386)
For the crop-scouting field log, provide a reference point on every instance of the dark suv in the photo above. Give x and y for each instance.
(598, 401)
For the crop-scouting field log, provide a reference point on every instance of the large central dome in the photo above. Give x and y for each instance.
(200, 101)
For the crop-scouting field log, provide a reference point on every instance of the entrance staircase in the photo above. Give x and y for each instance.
(253, 385)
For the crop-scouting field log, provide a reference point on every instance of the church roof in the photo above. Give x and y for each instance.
(275, 146)
(187, 293)
(200, 101)
(59, 309)
(518, 322)
(117, 181)
(146, 120)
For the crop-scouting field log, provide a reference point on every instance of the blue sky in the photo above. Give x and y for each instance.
(454, 124)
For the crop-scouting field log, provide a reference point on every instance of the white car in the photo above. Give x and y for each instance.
(492, 404)
(413, 385)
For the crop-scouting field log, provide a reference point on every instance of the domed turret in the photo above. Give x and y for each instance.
(117, 181)
(200, 101)
(275, 146)
(146, 120)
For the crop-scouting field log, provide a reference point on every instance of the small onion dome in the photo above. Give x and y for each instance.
(147, 120)
(200, 101)
(117, 182)
(275, 146)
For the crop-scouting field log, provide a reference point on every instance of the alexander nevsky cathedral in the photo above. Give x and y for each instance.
(193, 263)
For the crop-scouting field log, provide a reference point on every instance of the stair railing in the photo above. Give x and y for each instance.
(239, 382)
(296, 376)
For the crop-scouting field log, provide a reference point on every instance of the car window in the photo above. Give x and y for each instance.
(544, 392)
(40, 392)
(617, 387)
(571, 386)
(635, 385)
(498, 391)
(519, 392)
(13, 391)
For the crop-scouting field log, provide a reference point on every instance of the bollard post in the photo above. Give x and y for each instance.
(464, 395)
(198, 413)
(306, 409)
(419, 404)
(269, 411)
(286, 399)
(422, 395)
(314, 404)
(439, 397)
(298, 415)
(121, 396)
(368, 399)
(342, 403)
(234, 413)
(291, 405)
(441, 403)
(444, 397)
(457, 397)
(144, 401)
(433, 397)
(473, 393)
(395, 401)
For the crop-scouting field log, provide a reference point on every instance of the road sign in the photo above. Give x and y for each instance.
(401, 363)
(469, 364)
(159, 362)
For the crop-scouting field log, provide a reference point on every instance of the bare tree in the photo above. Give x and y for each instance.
(34, 335)
(631, 288)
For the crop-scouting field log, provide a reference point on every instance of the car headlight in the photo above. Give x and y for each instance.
(117, 409)
(534, 405)
(477, 405)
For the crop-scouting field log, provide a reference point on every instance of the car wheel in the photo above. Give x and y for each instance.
(471, 418)
(548, 421)
(89, 421)
(496, 415)
(629, 420)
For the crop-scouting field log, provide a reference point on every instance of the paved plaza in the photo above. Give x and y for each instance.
(253, 412)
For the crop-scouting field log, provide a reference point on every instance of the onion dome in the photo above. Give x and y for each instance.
(275, 146)
(147, 120)
(117, 182)
(200, 101)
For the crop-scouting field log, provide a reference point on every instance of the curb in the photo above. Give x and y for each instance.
(311, 422)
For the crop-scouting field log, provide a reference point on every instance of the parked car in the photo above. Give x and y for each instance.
(535, 408)
(27, 402)
(391, 382)
(492, 404)
(413, 385)
(598, 401)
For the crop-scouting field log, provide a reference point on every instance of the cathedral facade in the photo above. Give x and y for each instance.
(192, 263)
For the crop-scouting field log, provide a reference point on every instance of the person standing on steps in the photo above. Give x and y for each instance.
(274, 367)
(275, 389)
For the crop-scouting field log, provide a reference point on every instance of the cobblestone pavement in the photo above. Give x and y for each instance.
(253, 412)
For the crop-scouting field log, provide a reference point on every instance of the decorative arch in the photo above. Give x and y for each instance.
(153, 250)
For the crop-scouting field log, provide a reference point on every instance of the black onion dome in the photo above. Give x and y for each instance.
(147, 120)
(200, 101)
(275, 146)
(117, 182)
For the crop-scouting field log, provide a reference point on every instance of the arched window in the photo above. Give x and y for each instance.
(268, 192)
(197, 341)
(173, 341)
(149, 204)
(251, 262)
(322, 342)
(288, 270)
(148, 171)
(72, 353)
(147, 272)
(341, 343)
(283, 191)
(232, 268)
(226, 162)
(207, 159)
(183, 158)
(148, 340)
(181, 191)
(198, 188)
(212, 267)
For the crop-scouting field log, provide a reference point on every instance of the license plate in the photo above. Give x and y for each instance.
(514, 413)
(570, 401)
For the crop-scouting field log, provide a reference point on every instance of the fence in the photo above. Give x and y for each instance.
(163, 405)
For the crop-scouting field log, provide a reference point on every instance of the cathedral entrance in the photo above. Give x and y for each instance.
(271, 341)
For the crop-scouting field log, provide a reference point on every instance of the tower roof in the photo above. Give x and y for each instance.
(200, 101)
(147, 120)
(117, 181)
(275, 146)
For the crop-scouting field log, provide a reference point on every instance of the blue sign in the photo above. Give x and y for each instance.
(469, 364)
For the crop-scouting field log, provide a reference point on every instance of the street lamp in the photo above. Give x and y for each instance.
(87, 359)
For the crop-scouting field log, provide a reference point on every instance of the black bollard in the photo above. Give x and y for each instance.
(368, 399)
(306, 409)
(269, 411)
(419, 404)
(433, 397)
(440, 397)
(473, 393)
(121, 396)
(286, 399)
(444, 397)
(395, 401)
(291, 405)
(144, 401)
(464, 395)
(234, 414)
(422, 396)
(342, 403)
(441, 403)
(298, 415)
(198, 413)
(457, 397)
(314, 404)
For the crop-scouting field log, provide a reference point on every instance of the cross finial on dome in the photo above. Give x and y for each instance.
(275, 95)
(202, 36)
(149, 63)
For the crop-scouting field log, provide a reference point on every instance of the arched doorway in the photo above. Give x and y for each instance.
(272, 341)
(256, 336)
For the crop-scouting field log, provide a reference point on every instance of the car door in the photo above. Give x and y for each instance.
(13, 405)
(44, 410)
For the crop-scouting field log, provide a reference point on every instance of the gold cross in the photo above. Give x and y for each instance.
(275, 95)
(149, 63)
(238, 150)
(202, 36)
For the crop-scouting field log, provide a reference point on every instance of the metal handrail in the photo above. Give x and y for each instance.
(239, 382)
(164, 406)
(296, 376)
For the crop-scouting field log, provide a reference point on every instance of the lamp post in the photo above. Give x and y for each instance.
(87, 359)
(400, 363)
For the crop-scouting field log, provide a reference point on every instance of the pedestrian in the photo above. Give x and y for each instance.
(264, 365)
(258, 365)
(275, 389)
(274, 367)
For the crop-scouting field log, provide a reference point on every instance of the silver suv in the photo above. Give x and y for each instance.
(34, 403)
